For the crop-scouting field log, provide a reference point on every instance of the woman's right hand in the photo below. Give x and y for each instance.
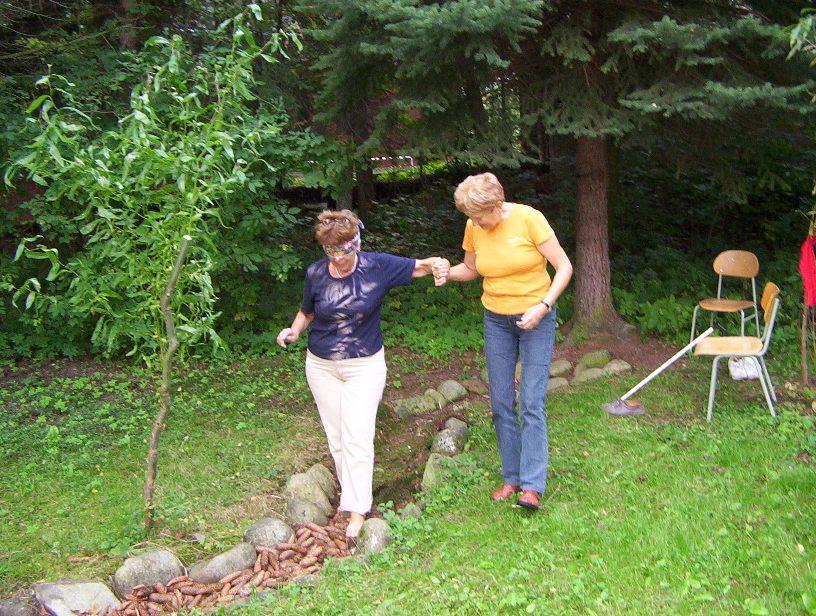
(287, 335)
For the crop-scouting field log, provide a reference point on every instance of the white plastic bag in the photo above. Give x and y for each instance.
(743, 368)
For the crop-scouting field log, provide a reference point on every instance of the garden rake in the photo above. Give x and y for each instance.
(623, 406)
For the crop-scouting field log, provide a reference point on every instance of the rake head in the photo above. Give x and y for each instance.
(624, 408)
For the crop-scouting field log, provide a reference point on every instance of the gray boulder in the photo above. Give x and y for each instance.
(63, 598)
(373, 536)
(303, 486)
(210, 570)
(596, 359)
(19, 604)
(476, 386)
(484, 376)
(560, 367)
(437, 397)
(300, 512)
(452, 390)
(590, 374)
(325, 479)
(448, 442)
(616, 366)
(411, 510)
(558, 382)
(146, 568)
(414, 406)
(456, 424)
(268, 532)
(440, 469)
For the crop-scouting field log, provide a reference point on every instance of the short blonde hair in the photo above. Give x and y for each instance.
(336, 227)
(478, 193)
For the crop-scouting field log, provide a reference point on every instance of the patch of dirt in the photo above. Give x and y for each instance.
(644, 354)
(49, 370)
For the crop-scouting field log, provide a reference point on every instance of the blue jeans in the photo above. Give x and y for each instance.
(524, 452)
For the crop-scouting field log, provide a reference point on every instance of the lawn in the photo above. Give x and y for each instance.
(654, 515)
(649, 515)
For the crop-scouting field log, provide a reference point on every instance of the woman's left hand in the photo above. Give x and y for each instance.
(532, 317)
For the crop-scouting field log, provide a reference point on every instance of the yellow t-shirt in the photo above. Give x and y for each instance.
(514, 271)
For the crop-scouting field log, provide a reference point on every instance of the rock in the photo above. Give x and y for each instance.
(210, 570)
(325, 479)
(439, 469)
(558, 382)
(596, 359)
(146, 568)
(411, 510)
(590, 374)
(454, 423)
(484, 376)
(448, 442)
(309, 580)
(414, 406)
(300, 512)
(268, 532)
(616, 366)
(560, 367)
(20, 604)
(476, 386)
(304, 487)
(438, 398)
(373, 536)
(452, 390)
(579, 368)
(66, 597)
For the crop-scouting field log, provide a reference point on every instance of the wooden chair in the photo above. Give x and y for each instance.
(736, 264)
(745, 346)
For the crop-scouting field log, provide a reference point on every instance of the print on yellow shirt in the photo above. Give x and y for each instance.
(514, 271)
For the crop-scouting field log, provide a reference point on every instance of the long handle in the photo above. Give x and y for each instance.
(668, 363)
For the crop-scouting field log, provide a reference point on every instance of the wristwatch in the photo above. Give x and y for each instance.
(544, 301)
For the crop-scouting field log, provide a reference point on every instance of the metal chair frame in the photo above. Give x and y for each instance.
(765, 377)
(735, 264)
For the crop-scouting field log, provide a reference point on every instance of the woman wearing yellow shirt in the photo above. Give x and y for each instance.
(509, 245)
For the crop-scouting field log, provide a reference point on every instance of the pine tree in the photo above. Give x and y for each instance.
(603, 71)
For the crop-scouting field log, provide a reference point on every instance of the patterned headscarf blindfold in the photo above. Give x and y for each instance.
(346, 248)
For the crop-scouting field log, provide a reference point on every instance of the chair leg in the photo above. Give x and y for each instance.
(768, 378)
(712, 390)
(742, 323)
(767, 395)
(694, 323)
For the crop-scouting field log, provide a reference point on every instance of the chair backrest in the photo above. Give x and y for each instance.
(737, 263)
(769, 294)
(770, 306)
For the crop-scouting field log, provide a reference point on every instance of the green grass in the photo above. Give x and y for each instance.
(662, 514)
(72, 463)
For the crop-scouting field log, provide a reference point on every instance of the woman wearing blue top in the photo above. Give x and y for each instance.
(345, 362)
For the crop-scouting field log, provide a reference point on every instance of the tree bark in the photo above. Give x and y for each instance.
(593, 287)
(127, 30)
(365, 187)
(164, 387)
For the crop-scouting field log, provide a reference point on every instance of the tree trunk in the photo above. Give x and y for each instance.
(365, 187)
(127, 30)
(164, 388)
(593, 288)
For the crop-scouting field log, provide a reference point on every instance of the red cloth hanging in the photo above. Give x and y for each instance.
(807, 268)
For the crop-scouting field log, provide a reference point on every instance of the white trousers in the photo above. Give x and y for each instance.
(347, 393)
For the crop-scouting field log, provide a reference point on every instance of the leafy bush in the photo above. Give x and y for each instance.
(185, 160)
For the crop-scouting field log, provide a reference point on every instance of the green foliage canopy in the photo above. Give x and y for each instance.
(183, 161)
